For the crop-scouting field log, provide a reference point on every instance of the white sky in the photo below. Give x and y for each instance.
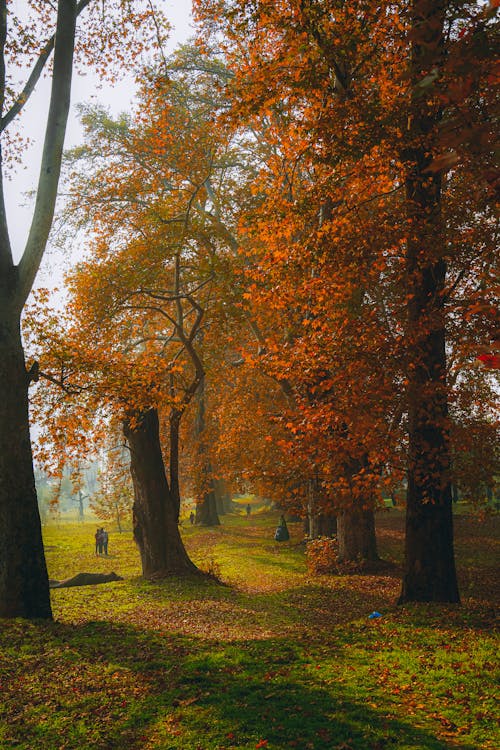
(117, 99)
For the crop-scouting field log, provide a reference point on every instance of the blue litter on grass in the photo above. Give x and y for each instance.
(374, 615)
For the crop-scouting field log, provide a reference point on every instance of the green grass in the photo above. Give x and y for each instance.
(273, 658)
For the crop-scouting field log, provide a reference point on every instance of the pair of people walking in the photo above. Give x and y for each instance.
(101, 541)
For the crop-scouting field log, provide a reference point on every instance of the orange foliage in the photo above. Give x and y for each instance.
(327, 91)
(300, 263)
(153, 283)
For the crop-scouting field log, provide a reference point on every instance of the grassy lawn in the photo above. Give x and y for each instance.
(271, 659)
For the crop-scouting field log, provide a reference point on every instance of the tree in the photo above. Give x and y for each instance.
(154, 205)
(429, 567)
(358, 241)
(23, 576)
(135, 367)
(24, 588)
(112, 499)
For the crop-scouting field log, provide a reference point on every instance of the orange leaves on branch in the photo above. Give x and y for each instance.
(155, 191)
(326, 278)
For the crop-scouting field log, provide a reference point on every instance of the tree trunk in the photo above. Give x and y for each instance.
(356, 535)
(356, 521)
(317, 522)
(118, 519)
(81, 515)
(174, 440)
(326, 525)
(24, 588)
(206, 511)
(320, 524)
(24, 583)
(206, 508)
(155, 512)
(429, 573)
(222, 497)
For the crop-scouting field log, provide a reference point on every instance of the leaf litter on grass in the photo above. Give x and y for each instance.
(276, 656)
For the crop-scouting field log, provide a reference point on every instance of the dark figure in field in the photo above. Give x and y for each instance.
(105, 540)
(98, 541)
(282, 534)
(249, 509)
(191, 518)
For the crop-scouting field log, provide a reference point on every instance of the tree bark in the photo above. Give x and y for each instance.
(81, 514)
(356, 535)
(206, 511)
(174, 443)
(326, 525)
(356, 520)
(318, 523)
(53, 144)
(155, 512)
(206, 508)
(24, 583)
(222, 497)
(429, 573)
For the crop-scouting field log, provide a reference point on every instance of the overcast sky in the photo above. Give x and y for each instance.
(117, 98)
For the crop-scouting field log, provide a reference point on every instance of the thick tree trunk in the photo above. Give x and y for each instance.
(24, 583)
(356, 521)
(24, 590)
(356, 535)
(429, 573)
(155, 512)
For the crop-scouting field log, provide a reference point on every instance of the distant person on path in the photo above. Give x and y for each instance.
(249, 509)
(98, 542)
(105, 540)
(191, 518)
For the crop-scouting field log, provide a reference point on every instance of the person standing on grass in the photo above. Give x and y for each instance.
(249, 509)
(98, 541)
(105, 539)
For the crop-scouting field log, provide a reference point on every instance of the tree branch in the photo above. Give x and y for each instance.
(35, 74)
(52, 150)
(70, 391)
(6, 261)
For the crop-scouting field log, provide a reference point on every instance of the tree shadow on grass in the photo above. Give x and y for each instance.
(226, 612)
(106, 686)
